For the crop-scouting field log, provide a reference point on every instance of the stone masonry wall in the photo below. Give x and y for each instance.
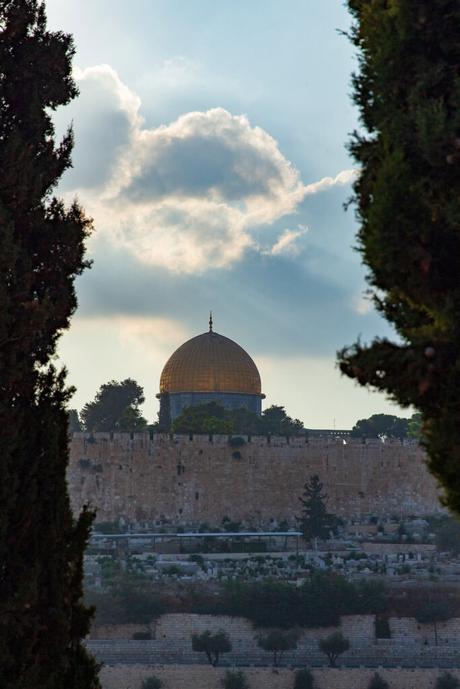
(203, 677)
(360, 629)
(190, 481)
(410, 642)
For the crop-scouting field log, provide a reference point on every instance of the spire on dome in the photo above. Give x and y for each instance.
(210, 322)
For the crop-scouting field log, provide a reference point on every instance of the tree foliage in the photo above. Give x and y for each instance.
(315, 521)
(447, 681)
(377, 682)
(333, 646)
(213, 645)
(408, 202)
(152, 682)
(447, 535)
(214, 418)
(320, 602)
(115, 408)
(414, 429)
(42, 619)
(235, 679)
(74, 421)
(303, 679)
(127, 600)
(277, 641)
(379, 425)
(433, 612)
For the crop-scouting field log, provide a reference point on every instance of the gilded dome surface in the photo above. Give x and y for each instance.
(210, 363)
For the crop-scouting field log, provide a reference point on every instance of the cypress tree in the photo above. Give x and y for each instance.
(315, 521)
(42, 618)
(408, 205)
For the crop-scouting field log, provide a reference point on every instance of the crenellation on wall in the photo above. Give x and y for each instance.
(136, 476)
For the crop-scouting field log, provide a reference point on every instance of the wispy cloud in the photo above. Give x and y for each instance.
(342, 179)
(288, 243)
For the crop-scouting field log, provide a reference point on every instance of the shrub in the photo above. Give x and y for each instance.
(447, 681)
(129, 601)
(236, 441)
(377, 682)
(152, 682)
(142, 636)
(303, 679)
(235, 680)
(382, 627)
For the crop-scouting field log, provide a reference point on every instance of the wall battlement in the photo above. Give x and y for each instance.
(181, 480)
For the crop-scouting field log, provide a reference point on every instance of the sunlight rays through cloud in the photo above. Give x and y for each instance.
(189, 195)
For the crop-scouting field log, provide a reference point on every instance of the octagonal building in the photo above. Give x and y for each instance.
(209, 368)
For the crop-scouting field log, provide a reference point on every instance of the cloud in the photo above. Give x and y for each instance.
(344, 178)
(188, 195)
(362, 304)
(287, 242)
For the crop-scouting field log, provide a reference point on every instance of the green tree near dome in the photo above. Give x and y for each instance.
(214, 418)
(408, 204)
(115, 408)
(42, 617)
(203, 418)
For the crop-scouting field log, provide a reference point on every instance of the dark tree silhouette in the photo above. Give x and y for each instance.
(377, 682)
(115, 408)
(408, 202)
(235, 679)
(379, 425)
(277, 641)
(74, 421)
(304, 679)
(213, 645)
(433, 612)
(42, 618)
(333, 646)
(447, 681)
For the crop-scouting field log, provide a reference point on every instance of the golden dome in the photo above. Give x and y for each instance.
(210, 363)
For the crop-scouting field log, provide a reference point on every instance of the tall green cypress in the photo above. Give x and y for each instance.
(408, 204)
(42, 618)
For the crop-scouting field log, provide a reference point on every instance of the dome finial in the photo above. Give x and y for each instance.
(210, 321)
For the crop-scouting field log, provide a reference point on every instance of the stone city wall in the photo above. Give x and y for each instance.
(178, 480)
(177, 628)
(411, 643)
(203, 677)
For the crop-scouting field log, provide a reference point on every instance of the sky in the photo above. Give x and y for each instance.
(211, 153)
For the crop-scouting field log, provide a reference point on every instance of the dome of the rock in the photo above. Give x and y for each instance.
(210, 368)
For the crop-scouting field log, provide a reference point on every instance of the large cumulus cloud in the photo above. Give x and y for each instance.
(189, 195)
